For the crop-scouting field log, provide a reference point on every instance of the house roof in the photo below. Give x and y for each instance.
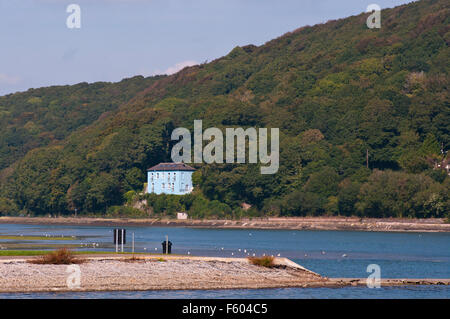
(171, 167)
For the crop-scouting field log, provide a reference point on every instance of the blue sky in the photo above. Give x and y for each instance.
(123, 38)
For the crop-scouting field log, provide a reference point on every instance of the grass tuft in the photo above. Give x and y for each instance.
(58, 257)
(133, 259)
(264, 261)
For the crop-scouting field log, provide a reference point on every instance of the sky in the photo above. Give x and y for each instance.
(123, 38)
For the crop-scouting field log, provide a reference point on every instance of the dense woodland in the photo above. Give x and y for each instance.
(335, 90)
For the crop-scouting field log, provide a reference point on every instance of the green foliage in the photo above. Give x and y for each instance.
(40, 117)
(125, 211)
(129, 196)
(196, 205)
(398, 194)
(348, 197)
(8, 207)
(430, 146)
(335, 91)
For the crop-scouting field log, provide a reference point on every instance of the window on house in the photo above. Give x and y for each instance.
(162, 185)
(153, 187)
(157, 175)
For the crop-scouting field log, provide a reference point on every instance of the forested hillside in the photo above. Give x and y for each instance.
(40, 117)
(335, 91)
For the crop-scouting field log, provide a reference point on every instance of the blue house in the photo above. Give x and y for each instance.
(170, 178)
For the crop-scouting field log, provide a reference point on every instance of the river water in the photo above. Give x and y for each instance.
(329, 253)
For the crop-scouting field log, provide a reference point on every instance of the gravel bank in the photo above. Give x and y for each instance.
(175, 273)
(151, 274)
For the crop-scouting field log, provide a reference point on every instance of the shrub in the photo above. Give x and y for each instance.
(264, 261)
(125, 211)
(59, 257)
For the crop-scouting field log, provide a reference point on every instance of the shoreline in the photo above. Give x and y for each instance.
(113, 273)
(275, 223)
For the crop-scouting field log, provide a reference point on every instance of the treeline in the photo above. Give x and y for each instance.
(336, 91)
(383, 194)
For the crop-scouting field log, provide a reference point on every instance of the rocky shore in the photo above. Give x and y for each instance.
(172, 273)
(294, 223)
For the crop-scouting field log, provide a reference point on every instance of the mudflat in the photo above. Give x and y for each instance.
(294, 223)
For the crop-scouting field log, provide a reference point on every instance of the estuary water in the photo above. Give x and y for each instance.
(329, 253)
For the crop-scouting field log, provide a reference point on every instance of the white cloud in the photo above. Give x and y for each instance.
(8, 79)
(170, 70)
(179, 66)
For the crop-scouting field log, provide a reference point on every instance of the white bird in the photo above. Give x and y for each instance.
(344, 255)
(232, 254)
(278, 255)
(254, 254)
(239, 249)
(189, 252)
(145, 248)
(245, 250)
(222, 248)
(323, 252)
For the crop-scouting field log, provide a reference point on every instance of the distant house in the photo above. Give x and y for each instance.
(182, 215)
(443, 164)
(170, 178)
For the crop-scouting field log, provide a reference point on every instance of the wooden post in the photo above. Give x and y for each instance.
(117, 240)
(167, 244)
(133, 244)
(122, 239)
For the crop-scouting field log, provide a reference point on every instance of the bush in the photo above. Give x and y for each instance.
(59, 257)
(264, 261)
(125, 211)
(129, 196)
(398, 194)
